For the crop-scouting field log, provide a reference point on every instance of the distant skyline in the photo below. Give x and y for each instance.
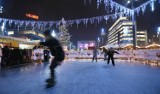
(75, 9)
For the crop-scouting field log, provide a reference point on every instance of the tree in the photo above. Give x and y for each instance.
(63, 35)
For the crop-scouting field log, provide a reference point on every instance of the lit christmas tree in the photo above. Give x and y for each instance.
(63, 35)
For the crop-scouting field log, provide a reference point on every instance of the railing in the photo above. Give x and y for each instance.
(149, 56)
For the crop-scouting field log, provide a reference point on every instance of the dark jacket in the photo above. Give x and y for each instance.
(55, 47)
(111, 52)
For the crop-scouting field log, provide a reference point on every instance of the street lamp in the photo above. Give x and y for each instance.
(2, 28)
(102, 34)
(133, 23)
(98, 40)
(128, 1)
(53, 33)
(158, 33)
(70, 45)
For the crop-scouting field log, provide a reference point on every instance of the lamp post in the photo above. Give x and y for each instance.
(133, 23)
(158, 34)
(2, 28)
(18, 28)
(98, 41)
(102, 34)
(70, 45)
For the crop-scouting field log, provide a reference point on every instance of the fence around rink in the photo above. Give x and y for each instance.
(152, 55)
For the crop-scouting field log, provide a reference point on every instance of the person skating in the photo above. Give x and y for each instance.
(95, 53)
(105, 51)
(110, 55)
(57, 51)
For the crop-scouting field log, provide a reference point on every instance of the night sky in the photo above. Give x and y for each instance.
(53, 10)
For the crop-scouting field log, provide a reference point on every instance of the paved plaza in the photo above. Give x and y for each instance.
(82, 77)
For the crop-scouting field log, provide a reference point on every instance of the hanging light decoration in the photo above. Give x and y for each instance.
(152, 4)
(118, 8)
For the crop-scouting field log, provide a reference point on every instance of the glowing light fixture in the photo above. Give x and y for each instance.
(128, 1)
(53, 34)
(32, 16)
(158, 31)
(2, 27)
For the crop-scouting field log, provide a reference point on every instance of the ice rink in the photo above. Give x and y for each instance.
(82, 77)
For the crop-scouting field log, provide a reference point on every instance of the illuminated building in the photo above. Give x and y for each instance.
(121, 32)
(24, 39)
(16, 42)
(26, 34)
(142, 38)
(154, 39)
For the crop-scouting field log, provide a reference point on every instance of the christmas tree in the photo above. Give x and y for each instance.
(63, 35)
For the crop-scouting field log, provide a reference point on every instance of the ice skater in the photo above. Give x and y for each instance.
(57, 51)
(105, 51)
(110, 55)
(95, 53)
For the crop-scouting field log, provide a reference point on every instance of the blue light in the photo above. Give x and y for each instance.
(158, 31)
(102, 32)
(3, 26)
(53, 34)
(152, 5)
(128, 1)
(98, 39)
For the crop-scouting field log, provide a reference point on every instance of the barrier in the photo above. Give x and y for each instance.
(37, 55)
(150, 56)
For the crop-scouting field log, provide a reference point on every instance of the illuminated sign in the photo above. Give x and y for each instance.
(32, 16)
(86, 44)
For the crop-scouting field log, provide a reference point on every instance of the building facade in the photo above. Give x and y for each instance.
(26, 34)
(142, 38)
(121, 32)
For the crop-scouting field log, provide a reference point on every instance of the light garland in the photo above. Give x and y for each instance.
(143, 7)
(123, 11)
(152, 4)
(40, 24)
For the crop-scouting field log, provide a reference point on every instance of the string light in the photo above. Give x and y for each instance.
(114, 6)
